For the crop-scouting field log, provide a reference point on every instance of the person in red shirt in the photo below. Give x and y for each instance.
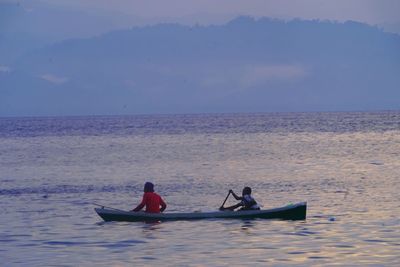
(151, 200)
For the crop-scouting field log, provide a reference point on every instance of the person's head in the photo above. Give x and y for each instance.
(246, 191)
(148, 187)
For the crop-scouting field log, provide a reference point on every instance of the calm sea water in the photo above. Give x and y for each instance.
(345, 165)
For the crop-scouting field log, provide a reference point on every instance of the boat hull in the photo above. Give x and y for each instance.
(290, 212)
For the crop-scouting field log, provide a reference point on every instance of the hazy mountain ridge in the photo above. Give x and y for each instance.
(243, 35)
(259, 65)
(32, 24)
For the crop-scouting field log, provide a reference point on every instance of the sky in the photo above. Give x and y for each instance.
(372, 11)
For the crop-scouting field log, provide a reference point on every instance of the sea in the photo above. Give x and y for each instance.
(345, 165)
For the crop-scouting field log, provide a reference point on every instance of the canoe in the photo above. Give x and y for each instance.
(289, 212)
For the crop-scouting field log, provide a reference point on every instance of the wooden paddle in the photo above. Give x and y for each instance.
(225, 199)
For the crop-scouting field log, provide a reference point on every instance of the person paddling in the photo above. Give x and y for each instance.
(151, 200)
(247, 201)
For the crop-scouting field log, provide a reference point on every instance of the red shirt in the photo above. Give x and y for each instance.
(152, 201)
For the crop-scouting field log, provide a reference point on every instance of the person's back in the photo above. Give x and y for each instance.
(151, 200)
(249, 202)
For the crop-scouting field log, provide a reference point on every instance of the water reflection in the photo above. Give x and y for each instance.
(247, 225)
(150, 226)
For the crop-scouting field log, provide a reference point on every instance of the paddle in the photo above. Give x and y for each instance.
(225, 200)
(102, 206)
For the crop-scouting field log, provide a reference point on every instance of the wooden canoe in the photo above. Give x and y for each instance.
(289, 212)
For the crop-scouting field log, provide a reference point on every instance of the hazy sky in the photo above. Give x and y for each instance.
(382, 12)
(373, 11)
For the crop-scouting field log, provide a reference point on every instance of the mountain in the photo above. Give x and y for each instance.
(246, 65)
(32, 24)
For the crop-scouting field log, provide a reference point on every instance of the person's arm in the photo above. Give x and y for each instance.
(141, 205)
(234, 195)
(163, 205)
(232, 207)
